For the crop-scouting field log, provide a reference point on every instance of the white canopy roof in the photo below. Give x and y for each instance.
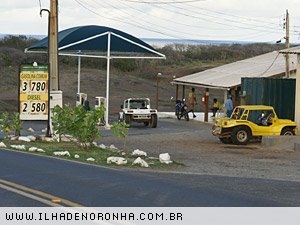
(229, 75)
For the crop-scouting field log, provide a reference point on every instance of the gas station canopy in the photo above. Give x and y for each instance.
(98, 42)
(92, 41)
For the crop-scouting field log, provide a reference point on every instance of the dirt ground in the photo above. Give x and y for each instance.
(122, 86)
(193, 144)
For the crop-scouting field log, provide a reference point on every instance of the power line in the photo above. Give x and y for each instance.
(40, 5)
(208, 20)
(162, 2)
(140, 19)
(270, 65)
(166, 28)
(235, 16)
(172, 21)
(226, 19)
(178, 34)
(142, 23)
(121, 21)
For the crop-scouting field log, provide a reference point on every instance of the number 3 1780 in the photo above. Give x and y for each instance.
(33, 86)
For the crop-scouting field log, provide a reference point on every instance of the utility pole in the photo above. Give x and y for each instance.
(287, 44)
(53, 39)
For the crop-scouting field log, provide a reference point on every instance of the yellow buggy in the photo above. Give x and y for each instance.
(252, 121)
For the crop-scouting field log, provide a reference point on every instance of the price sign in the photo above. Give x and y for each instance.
(33, 92)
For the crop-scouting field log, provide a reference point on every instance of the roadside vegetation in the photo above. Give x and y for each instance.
(75, 133)
(100, 155)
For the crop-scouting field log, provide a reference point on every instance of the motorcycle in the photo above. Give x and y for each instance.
(181, 110)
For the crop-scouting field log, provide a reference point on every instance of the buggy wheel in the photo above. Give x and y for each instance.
(287, 131)
(153, 122)
(240, 135)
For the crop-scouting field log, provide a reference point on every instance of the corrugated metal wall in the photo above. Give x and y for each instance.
(276, 92)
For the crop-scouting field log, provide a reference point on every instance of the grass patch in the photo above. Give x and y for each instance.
(100, 155)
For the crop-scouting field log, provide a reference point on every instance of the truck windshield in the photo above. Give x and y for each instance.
(138, 104)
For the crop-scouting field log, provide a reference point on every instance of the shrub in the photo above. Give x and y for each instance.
(5, 123)
(16, 123)
(8, 123)
(120, 130)
(78, 122)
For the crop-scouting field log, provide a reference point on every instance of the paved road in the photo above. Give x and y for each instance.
(96, 186)
(164, 125)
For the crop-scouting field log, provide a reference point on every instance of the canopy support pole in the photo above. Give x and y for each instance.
(79, 71)
(206, 105)
(107, 80)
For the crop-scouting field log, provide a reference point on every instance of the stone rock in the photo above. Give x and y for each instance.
(116, 160)
(22, 138)
(123, 153)
(32, 149)
(112, 147)
(31, 138)
(138, 152)
(141, 162)
(90, 159)
(49, 139)
(13, 138)
(2, 145)
(40, 150)
(74, 140)
(62, 153)
(102, 146)
(44, 130)
(18, 147)
(165, 158)
(65, 139)
(76, 156)
(30, 129)
(95, 143)
(85, 144)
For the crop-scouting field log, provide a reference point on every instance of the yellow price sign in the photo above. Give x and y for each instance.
(33, 92)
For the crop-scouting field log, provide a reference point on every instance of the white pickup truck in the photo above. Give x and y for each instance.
(138, 110)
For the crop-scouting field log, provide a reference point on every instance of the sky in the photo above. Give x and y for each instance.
(240, 20)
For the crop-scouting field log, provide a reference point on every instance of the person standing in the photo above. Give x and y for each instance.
(216, 107)
(192, 101)
(229, 106)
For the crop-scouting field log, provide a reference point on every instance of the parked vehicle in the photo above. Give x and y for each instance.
(181, 110)
(252, 121)
(138, 110)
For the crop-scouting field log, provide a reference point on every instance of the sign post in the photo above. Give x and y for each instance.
(34, 92)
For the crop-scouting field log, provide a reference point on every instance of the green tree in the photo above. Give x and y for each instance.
(120, 129)
(78, 122)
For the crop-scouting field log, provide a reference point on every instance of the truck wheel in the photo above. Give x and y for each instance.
(226, 140)
(153, 122)
(240, 135)
(127, 119)
(287, 131)
(120, 120)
